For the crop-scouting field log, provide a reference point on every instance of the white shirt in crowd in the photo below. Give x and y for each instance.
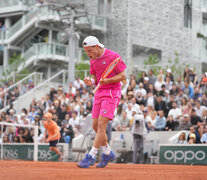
(142, 91)
(74, 122)
(200, 110)
(175, 113)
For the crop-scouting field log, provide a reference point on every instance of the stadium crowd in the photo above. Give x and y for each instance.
(167, 104)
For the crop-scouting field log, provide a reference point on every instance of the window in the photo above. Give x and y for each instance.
(101, 7)
(188, 13)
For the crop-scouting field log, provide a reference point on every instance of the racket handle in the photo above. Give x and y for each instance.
(97, 87)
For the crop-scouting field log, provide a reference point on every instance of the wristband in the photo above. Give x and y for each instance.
(93, 81)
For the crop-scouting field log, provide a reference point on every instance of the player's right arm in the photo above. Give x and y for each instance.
(90, 81)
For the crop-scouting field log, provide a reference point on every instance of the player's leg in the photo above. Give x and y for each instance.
(54, 147)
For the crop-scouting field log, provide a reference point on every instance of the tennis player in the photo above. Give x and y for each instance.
(106, 99)
(53, 132)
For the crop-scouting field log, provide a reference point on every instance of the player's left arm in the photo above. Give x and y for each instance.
(119, 77)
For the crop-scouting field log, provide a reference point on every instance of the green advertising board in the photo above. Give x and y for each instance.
(183, 154)
(26, 152)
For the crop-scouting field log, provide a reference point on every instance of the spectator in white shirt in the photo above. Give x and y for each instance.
(175, 112)
(141, 90)
(134, 104)
(199, 109)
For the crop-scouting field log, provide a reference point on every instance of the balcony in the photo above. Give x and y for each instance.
(93, 22)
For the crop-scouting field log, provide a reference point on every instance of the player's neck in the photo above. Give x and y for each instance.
(101, 52)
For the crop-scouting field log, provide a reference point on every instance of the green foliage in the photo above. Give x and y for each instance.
(80, 69)
(84, 56)
(151, 63)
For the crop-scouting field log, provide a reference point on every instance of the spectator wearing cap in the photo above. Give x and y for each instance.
(166, 97)
(192, 138)
(160, 121)
(185, 123)
(188, 90)
(169, 75)
(146, 83)
(152, 77)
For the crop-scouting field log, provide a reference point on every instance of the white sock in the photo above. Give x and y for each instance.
(93, 152)
(106, 149)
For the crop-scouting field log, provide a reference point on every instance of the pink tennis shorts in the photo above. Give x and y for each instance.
(105, 103)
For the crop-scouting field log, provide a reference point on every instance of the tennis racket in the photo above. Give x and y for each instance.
(108, 71)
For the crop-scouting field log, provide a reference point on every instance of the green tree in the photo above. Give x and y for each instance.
(81, 68)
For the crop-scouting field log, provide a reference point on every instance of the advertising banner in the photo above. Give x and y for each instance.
(183, 154)
(26, 152)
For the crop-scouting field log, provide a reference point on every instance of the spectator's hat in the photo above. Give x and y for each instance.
(48, 115)
(146, 78)
(92, 41)
(185, 115)
(133, 109)
(204, 80)
(169, 70)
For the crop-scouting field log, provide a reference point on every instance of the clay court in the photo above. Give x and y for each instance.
(10, 170)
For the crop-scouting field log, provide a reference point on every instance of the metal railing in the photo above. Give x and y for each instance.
(34, 77)
(7, 3)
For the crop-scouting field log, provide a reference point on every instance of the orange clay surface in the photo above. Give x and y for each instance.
(24, 170)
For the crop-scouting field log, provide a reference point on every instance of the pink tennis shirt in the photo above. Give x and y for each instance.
(98, 66)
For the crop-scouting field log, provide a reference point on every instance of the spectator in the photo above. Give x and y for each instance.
(192, 138)
(63, 112)
(204, 136)
(170, 126)
(195, 119)
(158, 84)
(176, 113)
(160, 104)
(160, 121)
(185, 123)
(150, 124)
(152, 77)
(199, 109)
(188, 90)
(182, 138)
(169, 75)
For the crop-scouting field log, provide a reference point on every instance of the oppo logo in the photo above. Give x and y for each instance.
(184, 155)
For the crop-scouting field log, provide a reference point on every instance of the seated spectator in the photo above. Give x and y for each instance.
(180, 96)
(150, 124)
(168, 84)
(160, 104)
(188, 90)
(151, 112)
(197, 94)
(150, 100)
(16, 139)
(75, 123)
(160, 121)
(170, 126)
(193, 131)
(195, 120)
(192, 138)
(204, 116)
(158, 84)
(166, 97)
(174, 90)
(185, 122)
(66, 132)
(175, 112)
(63, 112)
(152, 89)
(169, 75)
(179, 83)
(152, 77)
(203, 100)
(139, 99)
(141, 90)
(199, 109)
(182, 138)
(204, 136)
